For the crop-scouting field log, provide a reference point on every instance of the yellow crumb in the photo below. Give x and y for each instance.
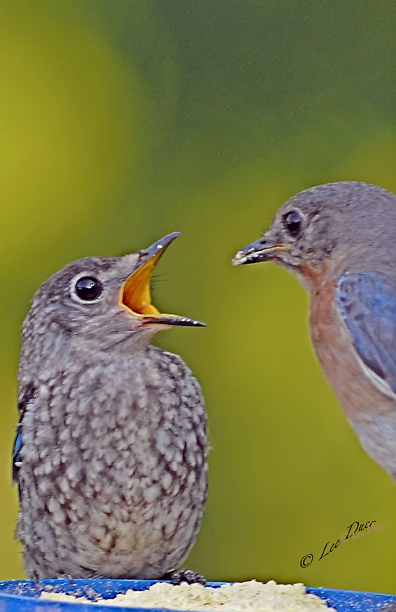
(248, 596)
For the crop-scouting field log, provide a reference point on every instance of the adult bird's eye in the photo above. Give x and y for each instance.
(293, 222)
(88, 288)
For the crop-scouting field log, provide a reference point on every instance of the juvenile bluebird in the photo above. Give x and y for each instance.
(111, 447)
(340, 241)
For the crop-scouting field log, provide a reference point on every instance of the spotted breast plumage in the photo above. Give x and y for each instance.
(110, 455)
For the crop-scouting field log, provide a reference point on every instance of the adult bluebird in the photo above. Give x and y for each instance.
(111, 447)
(339, 240)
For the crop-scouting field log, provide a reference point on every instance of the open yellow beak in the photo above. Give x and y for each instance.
(135, 294)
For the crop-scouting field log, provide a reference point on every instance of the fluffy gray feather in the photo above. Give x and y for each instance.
(111, 447)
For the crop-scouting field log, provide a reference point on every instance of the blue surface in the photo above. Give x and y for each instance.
(22, 596)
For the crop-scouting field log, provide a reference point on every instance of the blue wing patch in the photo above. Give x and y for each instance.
(16, 455)
(367, 304)
(27, 394)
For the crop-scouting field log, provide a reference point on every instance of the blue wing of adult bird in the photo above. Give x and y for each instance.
(367, 303)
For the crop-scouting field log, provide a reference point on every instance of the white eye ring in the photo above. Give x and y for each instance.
(85, 288)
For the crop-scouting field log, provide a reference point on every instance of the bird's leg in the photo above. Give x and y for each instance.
(67, 577)
(35, 577)
(184, 575)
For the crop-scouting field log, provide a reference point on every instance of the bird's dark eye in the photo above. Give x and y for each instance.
(88, 288)
(293, 222)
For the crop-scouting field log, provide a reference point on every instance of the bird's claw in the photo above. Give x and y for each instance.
(184, 575)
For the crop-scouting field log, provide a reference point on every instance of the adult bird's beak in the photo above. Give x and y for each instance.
(136, 294)
(261, 250)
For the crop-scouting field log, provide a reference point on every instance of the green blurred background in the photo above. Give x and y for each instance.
(123, 120)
